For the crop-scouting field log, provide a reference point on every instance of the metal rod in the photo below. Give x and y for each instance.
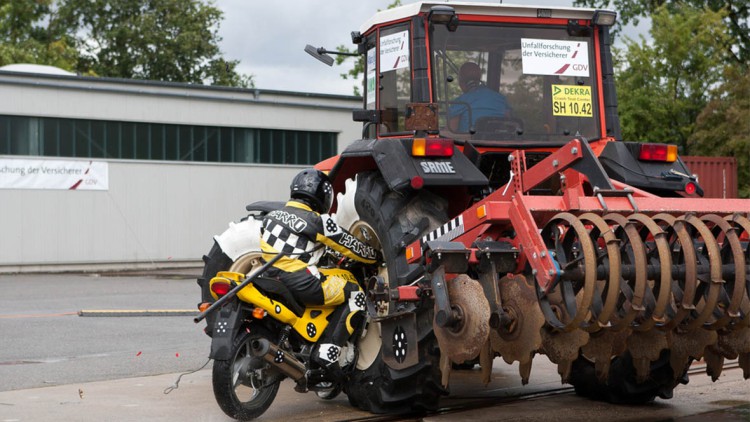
(653, 271)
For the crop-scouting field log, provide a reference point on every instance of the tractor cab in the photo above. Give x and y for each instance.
(480, 72)
(487, 80)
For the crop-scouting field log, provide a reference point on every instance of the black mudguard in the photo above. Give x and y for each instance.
(226, 324)
(661, 178)
(395, 162)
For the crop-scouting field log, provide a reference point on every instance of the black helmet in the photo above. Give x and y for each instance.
(314, 187)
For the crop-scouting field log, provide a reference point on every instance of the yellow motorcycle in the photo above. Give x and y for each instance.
(261, 335)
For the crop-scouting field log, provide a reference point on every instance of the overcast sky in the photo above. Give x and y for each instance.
(268, 38)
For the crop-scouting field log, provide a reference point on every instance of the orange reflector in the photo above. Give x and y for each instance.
(409, 253)
(672, 153)
(259, 313)
(417, 147)
(482, 211)
(203, 306)
(432, 147)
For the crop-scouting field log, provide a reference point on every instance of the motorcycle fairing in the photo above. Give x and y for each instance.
(310, 325)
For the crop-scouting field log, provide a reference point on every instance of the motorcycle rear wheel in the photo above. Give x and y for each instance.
(238, 382)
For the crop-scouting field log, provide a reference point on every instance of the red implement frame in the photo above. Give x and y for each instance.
(511, 207)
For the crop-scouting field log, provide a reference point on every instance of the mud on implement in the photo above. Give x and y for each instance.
(595, 273)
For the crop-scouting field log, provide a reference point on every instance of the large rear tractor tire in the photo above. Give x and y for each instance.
(216, 261)
(621, 386)
(388, 221)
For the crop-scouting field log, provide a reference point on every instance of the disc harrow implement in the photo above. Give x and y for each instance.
(677, 283)
(630, 285)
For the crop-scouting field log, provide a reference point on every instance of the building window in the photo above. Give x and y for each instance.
(55, 137)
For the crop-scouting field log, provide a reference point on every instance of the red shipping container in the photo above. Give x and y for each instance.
(716, 175)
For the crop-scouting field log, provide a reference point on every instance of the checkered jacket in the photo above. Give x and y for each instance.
(298, 231)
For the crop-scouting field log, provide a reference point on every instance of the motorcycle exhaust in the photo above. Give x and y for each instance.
(284, 361)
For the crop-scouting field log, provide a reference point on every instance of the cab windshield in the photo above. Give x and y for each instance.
(514, 83)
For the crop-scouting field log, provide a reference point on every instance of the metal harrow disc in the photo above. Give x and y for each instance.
(732, 257)
(601, 347)
(633, 255)
(711, 282)
(608, 257)
(638, 300)
(567, 304)
(742, 224)
(563, 348)
(521, 338)
(683, 254)
(657, 254)
(464, 342)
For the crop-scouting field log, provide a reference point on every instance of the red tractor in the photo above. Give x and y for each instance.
(513, 219)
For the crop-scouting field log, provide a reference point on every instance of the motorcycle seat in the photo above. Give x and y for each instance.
(277, 290)
(265, 206)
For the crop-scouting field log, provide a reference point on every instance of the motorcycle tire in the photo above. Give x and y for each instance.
(234, 390)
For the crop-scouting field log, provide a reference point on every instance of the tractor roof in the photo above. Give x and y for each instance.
(486, 9)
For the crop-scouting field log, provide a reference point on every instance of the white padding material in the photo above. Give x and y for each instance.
(240, 238)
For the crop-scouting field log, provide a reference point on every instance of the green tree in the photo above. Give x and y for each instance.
(165, 40)
(663, 85)
(24, 38)
(723, 127)
(736, 18)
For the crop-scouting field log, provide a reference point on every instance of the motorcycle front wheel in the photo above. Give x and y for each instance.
(245, 386)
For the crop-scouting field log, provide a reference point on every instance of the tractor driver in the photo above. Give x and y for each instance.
(301, 230)
(477, 99)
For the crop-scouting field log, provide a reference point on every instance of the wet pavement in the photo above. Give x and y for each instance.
(58, 366)
(145, 398)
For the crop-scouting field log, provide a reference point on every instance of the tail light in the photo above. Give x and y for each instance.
(220, 288)
(658, 152)
(432, 147)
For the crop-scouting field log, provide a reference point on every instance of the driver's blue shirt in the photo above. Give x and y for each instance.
(482, 102)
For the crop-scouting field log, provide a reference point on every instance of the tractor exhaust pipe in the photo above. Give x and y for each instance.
(281, 359)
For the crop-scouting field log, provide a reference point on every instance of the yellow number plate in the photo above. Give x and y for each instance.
(571, 100)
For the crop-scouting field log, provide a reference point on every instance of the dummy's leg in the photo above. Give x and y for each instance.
(344, 321)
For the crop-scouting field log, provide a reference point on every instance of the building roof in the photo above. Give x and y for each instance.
(52, 77)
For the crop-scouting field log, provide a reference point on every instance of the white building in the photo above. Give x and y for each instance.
(179, 162)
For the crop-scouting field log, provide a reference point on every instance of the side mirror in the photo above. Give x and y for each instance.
(320, 54)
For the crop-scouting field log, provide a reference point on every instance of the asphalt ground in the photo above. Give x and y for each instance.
(145, 399)
(58, 366)
(45, 342)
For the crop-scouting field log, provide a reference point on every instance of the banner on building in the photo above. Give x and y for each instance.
(53, 174)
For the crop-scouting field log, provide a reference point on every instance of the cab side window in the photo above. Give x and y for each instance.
(394, 74)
